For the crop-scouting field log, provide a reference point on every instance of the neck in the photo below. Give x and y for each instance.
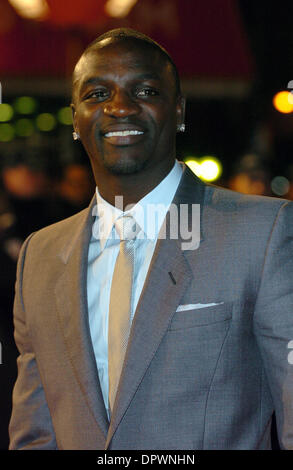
(132, 187)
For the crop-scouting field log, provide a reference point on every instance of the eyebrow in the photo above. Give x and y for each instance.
(142, 76)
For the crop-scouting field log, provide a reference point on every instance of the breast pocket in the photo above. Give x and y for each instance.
(202, 316)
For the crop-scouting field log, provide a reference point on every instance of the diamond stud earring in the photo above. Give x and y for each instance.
(75, 135)
(181, 127)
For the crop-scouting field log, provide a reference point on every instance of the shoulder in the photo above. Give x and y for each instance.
(243, 204)
(223, 200)
(246, 217)
(56, 236)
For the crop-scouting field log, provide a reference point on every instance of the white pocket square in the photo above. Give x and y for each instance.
(182, 308)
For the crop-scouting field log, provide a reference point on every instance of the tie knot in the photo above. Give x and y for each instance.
(127, 227)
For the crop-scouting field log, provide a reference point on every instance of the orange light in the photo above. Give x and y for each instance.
(32, 9)
(282, 101)
(119, 8)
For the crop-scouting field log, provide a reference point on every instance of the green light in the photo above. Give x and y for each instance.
(46, 122)
(25, 105)
(65, 115)
(6, 112)
(24, 127)
(6, 132)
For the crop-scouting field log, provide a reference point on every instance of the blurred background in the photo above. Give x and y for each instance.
(235, 59)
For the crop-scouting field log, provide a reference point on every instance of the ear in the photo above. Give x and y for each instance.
(181, 102)
(75, 127)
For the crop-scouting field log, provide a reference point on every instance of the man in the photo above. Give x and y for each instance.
(207, 359)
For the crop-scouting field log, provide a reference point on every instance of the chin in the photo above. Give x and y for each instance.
(124, 166)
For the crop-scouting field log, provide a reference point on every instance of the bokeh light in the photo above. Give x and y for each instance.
(46, 122)
(282, 102)
(6, 112)
(25, 105)
(7, 132)
(119, 8)
(24, 127)
(208, 168)
(280, 185)
(194, 165)
(65, 115)
(211, 168)
(32, 9)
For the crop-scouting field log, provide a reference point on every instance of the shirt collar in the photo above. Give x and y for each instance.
(149, 212)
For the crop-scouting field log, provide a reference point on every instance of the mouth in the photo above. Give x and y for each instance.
(123, 136)
(123, 133)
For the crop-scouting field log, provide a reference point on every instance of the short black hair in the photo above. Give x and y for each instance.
(120, 34)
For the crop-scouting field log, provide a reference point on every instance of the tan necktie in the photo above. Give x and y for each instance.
(120, 302)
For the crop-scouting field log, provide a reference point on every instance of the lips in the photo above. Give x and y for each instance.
(123, 134)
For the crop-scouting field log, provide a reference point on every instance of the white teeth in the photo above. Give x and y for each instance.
(122, 133)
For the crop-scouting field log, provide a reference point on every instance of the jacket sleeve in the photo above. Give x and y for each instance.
(30, 425)
(273, 321)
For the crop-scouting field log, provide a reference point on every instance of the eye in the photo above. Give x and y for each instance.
(97, 95)
(147, 91)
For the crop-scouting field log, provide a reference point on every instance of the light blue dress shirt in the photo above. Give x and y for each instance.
(149, 213)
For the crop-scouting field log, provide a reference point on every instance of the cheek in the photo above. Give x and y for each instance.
(87, 119)
(88, 125)
(166, 114)
(167, 123)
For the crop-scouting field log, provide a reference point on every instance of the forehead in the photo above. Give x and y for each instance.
(122, 59)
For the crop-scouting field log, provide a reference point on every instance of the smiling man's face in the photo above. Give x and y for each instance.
(126, 109)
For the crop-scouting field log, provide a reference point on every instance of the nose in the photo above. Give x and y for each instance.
(121, 105)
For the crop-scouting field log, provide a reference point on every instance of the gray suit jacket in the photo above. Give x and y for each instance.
(203, 378)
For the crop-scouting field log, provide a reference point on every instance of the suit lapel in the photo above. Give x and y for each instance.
(71, 298)
(158, 302)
